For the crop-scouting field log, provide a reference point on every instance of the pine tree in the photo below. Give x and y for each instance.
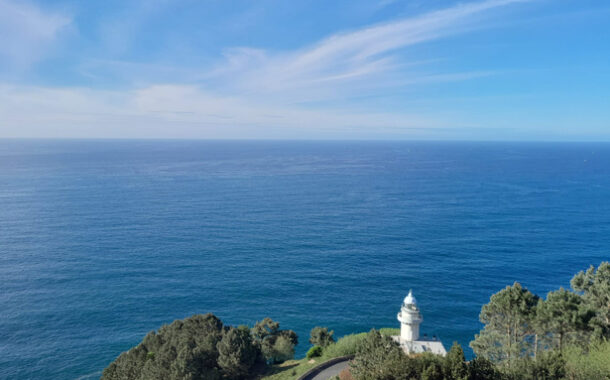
(455, 363)
(508, 319)
(595, 288)
(236, 353)
(560, 317)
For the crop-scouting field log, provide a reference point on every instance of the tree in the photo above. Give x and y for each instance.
(560, 316)
(595, 288)
(549, 366)
(429, 366)
(236, 352)
(266, 327)
(276, 345)
(480, 368)
(433, 372)
(283, 349)
(455, 363)
(380, 358)
(508, 323)
(320, 336)
(185, 349)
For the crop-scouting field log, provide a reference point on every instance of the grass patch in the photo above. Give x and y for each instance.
(290, 369)
(389, 331)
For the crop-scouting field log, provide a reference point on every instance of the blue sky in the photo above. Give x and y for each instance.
(370, 69)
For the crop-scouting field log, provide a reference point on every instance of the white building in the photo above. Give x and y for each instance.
(410, 318)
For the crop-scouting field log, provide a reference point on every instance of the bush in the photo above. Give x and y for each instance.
(347, 345)
(592, 364)
(314, 352)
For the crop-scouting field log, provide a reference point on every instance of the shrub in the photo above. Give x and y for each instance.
(592, 364)
(347, 345)
(313, 352)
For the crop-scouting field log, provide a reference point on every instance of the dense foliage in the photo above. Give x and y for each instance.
(520, 325)
(563, 336)
(314, 352)
(276, 345)
(320, 336)
(380, 358)
(200, 347)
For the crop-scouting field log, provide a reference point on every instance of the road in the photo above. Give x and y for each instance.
(331, 371)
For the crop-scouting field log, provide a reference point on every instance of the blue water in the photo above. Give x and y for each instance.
(103, 241)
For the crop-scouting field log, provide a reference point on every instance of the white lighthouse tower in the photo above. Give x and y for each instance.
(410, 319)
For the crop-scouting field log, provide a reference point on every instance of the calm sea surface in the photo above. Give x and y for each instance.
(103, 241)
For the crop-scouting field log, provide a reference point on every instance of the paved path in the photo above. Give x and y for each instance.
(331, 371)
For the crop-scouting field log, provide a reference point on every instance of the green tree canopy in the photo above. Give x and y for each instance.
(236, 352)
(380, 358)
(184, 349)
(561, 317)
(200, 347)
(595, 288)
(320, 336)
(276, 345)
(508, 319)
(455, 363)
(480, 368)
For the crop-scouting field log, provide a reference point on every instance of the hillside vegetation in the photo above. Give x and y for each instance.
(564, 335)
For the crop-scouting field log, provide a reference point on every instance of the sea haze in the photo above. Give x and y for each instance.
(104, 241)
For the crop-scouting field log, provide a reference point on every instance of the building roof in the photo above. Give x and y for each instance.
(421, 346)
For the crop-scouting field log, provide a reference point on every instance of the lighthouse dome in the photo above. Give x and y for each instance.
(409, 299)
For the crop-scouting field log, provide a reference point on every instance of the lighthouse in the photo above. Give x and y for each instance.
(410, 318)
(409, 340)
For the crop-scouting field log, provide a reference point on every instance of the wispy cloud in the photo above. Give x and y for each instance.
(171, 111)
(252, 93)
(362, 58)
(26, 31)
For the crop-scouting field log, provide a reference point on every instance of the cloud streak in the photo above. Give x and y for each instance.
(360, 58)
(253, 93)
(172, 111)
(26, 32)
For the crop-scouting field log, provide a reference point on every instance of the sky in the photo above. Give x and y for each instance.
(534, 70)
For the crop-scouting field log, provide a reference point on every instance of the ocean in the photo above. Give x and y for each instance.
(104, 241)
